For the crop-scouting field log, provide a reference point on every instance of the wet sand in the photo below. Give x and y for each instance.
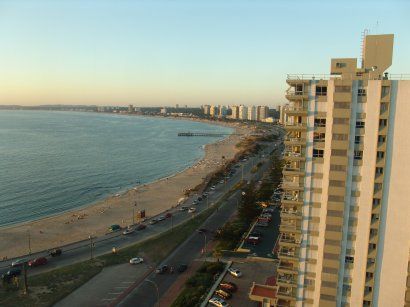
(94, 219)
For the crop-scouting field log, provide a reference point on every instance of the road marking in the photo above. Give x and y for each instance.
(120, 287)
(127, 282)
(108, 299)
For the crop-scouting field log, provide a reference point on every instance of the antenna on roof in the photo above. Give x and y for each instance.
(363, 36)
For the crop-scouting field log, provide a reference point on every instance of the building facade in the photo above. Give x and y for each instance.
(235, 112)
(345, 238)
(263, 112)
(252, 113)
(243, 112)
(213, 111)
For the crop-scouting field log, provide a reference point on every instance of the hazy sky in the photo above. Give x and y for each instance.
(187, 52)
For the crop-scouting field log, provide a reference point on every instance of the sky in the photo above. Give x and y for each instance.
(162, 53)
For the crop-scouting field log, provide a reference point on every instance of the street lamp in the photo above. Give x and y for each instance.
(156, 288)
(205, 247)
(90, 237)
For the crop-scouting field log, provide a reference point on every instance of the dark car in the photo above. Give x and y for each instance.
(114, 227)
(199, 198)
(182, 268)
(162, 269)
(168, 215)
(228, 286)
(55, 252)
(223, 294)
(202, 230)
(37, 261)
(141, 227)
(10, 274)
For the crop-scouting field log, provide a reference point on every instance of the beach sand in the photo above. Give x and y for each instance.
(94, 220)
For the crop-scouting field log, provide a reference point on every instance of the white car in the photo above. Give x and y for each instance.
(18, 262)
(136, 260)
(235, 272)
(192, 210)
(128, 231)
(216, 301)
(213, 188)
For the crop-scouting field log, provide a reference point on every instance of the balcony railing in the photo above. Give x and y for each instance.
(290, 197)
(294, 140)
(287, 279)
(291, 212)
(295, 125)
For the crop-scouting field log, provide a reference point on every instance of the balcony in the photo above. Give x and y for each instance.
(292, 199)
(290, 227)
(372, 253)
(292, 185)
(287, 253)
(289, 241)
(374, 222)
(290, 213)
(294, 141)
(293, 170)
(295, 126)
(293, 94)
(290, 155)
(286, 293)
(287, 280)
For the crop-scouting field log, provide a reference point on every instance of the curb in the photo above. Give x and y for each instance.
(216, 284)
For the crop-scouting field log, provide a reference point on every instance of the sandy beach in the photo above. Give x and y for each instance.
(94, 219)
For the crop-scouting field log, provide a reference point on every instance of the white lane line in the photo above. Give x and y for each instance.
(108, 299)
(120, 287)
(127, 282)
(114, 293)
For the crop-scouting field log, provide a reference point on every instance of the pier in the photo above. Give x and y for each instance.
(202, 134)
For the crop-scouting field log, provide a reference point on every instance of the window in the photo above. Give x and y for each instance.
(358, 139)
(382, 122)
(321, 90)
(342, 89)
(359, 124)
(317, 153)
(377, 187)
(336, 183)
(340, 65)
(358, 155)
(340, 137)
(319, 137)
(385, 91)
(376, 201)
(320, 122)
(381, 138)
(340, 121)
(342, 105)
(299, 89)
(361, 92)
(335, 198)
(380, 155)
(383, 107)
(339, 152)
(379, 170)
(349, 259)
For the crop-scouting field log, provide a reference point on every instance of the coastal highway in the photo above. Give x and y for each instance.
(144, 294)
(81, 251)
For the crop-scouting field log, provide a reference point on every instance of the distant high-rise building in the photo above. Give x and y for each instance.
(243, 112)
(222, 111)
(235, 112)
(344, 231)
(263, 112)
(177, 106)
(164, 110)
(213, 111)
(206, 109)
(252, 113)
(130, 108)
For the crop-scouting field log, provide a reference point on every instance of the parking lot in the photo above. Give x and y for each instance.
(269, 236)
(253, 271)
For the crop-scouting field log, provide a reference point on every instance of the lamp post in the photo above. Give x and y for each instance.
(205, 247)
(91, 246)
(156, 288)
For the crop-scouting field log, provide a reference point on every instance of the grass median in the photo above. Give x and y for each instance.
(48, 288)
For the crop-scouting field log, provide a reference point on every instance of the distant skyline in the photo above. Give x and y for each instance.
(155, 53)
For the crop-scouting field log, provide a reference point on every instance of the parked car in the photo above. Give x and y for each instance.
(202, 230)
(195, 202)
(253, 240)
(18, 262)
(192, 210)
(168, 215)
(213, 188)
(55, 252)
(256, 233)
(162, 269)
(114, 227)
(228, 286)
(141, 227)
(182, 268)
(153, 221)
(262, 224)
(10, 274)
(183, 208)
(223, 294)
(199, 198)
(218, 302)
(37, 262)
(128, 231)
(235, 272)
(161, 218)
(136, 260)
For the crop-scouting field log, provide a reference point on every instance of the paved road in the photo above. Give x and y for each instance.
(144, 294)
(81, 251)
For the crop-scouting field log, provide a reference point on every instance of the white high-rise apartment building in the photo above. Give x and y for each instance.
(345, 211)
(243, 112)
(235, 112)
(263, 112)
(252, 113)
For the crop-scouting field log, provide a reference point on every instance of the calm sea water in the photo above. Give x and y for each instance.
(51, 162)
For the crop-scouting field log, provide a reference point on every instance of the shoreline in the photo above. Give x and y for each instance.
(93, 218)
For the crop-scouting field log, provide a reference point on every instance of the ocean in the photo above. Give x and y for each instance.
(51, 162)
